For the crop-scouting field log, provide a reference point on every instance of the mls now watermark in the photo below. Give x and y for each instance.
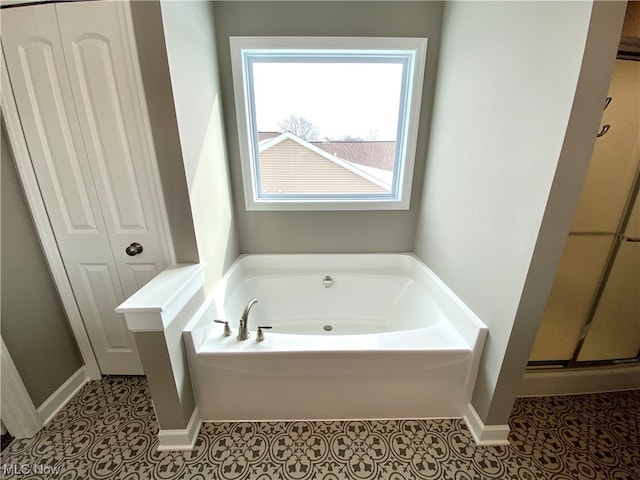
(29, 469)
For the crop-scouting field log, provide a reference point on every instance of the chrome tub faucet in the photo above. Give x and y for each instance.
(243, 331)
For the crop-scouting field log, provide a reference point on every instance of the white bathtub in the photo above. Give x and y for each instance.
(400, 344)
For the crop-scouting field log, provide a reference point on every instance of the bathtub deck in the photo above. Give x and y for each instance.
(441, 337)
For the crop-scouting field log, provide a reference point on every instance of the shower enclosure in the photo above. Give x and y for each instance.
(593, 313)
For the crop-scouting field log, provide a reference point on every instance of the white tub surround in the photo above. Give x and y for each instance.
(157, 314)
(386, 339)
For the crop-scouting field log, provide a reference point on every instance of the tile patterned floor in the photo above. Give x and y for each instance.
(109, 432)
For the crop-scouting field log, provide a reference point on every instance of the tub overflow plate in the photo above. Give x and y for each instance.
(327, 282)
(328, 328)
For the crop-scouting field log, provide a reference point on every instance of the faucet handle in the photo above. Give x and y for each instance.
(260, 336)
(227, 328)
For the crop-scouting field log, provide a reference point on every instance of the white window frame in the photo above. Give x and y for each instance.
(415, 49)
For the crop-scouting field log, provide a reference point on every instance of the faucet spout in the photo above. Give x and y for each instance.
(243, 331)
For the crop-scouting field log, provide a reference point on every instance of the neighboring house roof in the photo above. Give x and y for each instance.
(371, 153)
(267, 135)
(376, 154)
(378, 177)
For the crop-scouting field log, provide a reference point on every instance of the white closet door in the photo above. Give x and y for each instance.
(83, 139)
(35, 61)
(102, 69)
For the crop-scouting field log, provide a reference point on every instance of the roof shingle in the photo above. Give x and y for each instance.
(377, 154)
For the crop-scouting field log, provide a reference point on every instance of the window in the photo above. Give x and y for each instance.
(327, 123)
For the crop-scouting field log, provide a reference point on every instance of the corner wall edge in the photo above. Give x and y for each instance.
(182, 438)
(484, 435)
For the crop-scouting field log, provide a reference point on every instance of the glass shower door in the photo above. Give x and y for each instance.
(614, 333)
(593, 312)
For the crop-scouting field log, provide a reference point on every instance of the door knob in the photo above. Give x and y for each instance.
(134, 249)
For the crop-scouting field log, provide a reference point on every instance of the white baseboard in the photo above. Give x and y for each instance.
(181, 439)
(485, 435)
(18, 412)
(59, 399)
(580, 381)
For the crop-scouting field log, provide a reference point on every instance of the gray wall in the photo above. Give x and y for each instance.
(361, 231)
(518, 102)
(177, 48)
(193, 65)
(147, 20)
(34, 325)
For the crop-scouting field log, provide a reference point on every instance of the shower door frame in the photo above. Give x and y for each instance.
(619, 237)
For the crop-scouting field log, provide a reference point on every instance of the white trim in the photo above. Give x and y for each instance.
(272, 142)
(181, 439)
(407, 144)
(158, 303)
(41, 221)
(18, 412)
(59, 399)
(580, 381)
(485, 435)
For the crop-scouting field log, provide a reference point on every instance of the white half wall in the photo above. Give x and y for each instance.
(518, 101)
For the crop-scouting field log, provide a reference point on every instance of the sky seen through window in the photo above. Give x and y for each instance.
(356, 100)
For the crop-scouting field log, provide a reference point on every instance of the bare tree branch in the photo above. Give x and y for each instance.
(300, 127)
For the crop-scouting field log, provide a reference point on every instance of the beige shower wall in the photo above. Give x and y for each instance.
(631, 26)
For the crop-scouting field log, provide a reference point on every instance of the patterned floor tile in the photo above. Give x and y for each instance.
(108, 431)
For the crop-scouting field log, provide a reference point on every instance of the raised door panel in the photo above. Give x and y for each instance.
(102, 68)
(114, 343)
(54, 134)
(615, 330)
(142, 273)
(575, 285)
(35, 63)
(106, 132)
(615, 156)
